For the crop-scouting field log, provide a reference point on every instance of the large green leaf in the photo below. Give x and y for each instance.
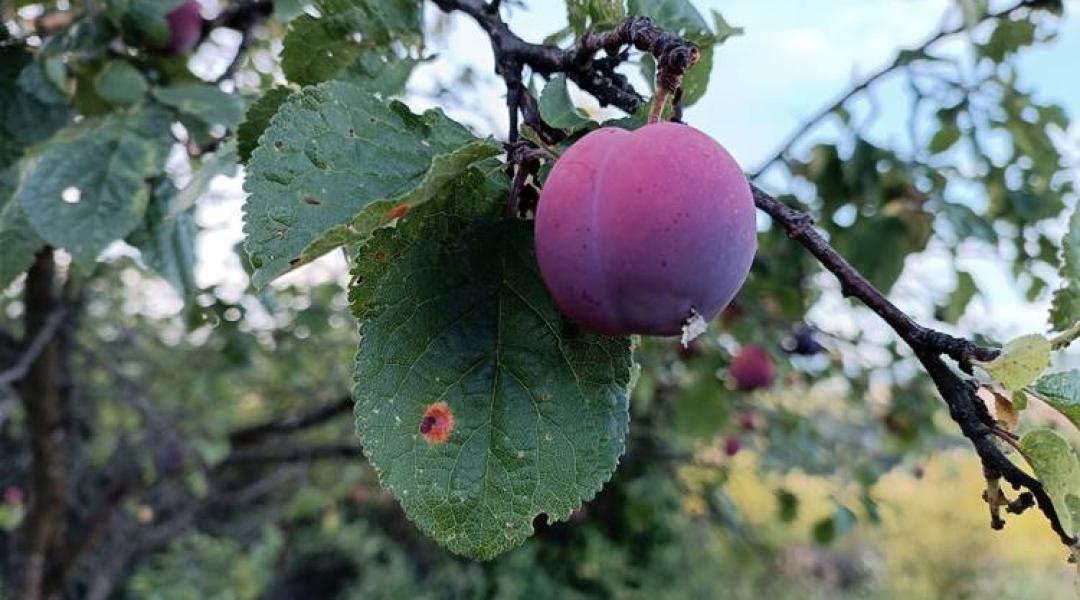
(88, 186)
(1057, 467)
(321, 48)
(1062, 391)
(453, 311)
(1065, 309)
(25, 119)
(585, 15)
(329, 152)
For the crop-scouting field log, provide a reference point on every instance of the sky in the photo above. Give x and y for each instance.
(794, 58)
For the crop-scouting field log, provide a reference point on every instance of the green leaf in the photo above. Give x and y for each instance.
(221, 163)
(319, 49)
(380, 72)
(586, 15)
(120, 84)
(1062, 391)
(945, 137)
(87, 186)
(17, 237)
(444, 168)
(826, 530)
(1021, 361)
(205, 103)
(257, 120)
(1065, 308)
(961, 297)
(25, 119)
(167, 242)
(455, 312)
(557, 109)
(702, 410)
(1008, 37)
(330, 151)
(142, 21)
(1056, 466)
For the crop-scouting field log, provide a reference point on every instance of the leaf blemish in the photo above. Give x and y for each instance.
(312, 200)
(437, 423)
(398, 211)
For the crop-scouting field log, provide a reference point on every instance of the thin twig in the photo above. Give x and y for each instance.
(896, 63)
(44, 336)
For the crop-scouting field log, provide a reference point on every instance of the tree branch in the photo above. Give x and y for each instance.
(928, 344)
(291, 423)
(45, 335)
(898, 61)
(45, 422)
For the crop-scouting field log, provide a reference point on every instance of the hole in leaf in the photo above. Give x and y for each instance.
(71, 195)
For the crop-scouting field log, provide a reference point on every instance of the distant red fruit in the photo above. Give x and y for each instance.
(732, 445)
(638, 231)
(750, 421)
(752, 369)
(185, 27)
(13, 494)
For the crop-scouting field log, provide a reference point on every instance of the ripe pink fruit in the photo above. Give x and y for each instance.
(636, 231)
(732, 445)
(185, 27)
(752, 369)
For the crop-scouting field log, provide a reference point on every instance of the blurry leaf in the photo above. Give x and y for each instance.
(828, 529)
(211, 450)
(1065, 308)
(1062, 391)
(87, 186)
(1021, 361)
(222, 162)
(167, 241)
(331, 151)
(17, 237)
(142, 21)
(1056, 466)
(722, 30)
(318, 49)
(1005, 412)
(258, 118)
(457, 314)
(961, 297)
(1020, 400)
(702, 409)
(204, 102)
(947, 135)
(120, 84)
(380, 72)
(787, 506)
(557, 109)
(1008, 37)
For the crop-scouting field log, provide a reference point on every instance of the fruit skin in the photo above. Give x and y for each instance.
(752, 369)
(636, 228)
(185, 27)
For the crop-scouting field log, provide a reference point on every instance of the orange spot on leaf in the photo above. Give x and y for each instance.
(398, 211)
(437, 423)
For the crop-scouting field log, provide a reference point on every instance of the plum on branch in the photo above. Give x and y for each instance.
(646, 231)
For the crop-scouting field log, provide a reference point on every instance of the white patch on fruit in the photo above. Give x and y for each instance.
(692, 327)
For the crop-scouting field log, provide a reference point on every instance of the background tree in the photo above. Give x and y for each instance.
(145, 448)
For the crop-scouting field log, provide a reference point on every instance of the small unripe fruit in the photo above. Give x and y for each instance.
(185, 27)
(638, 231)
(752, 369)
